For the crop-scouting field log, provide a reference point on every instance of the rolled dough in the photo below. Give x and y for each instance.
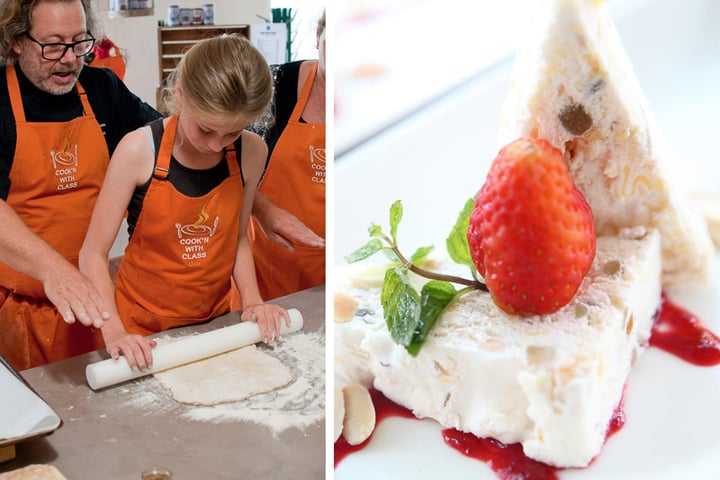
(34, 472)
(228, 377)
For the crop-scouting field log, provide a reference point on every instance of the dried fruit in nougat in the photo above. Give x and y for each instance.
(531, 233)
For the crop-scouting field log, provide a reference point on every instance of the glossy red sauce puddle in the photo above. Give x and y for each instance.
(384, 408)
(508, 461)
(675, 331)
(682, 334)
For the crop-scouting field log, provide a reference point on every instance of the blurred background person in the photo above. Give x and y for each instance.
(295, 176)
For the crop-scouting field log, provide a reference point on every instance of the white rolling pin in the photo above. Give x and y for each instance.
(185, 350)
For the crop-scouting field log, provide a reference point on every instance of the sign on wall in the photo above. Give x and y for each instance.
(271, 40)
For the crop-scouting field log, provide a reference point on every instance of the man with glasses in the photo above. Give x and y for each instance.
(59, 124)
(57, 50)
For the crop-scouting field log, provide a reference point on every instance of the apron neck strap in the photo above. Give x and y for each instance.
(304, 94)
(16, 97)
(162, 166)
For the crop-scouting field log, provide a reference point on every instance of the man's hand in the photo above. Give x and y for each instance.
(282, 227)
(74, 295)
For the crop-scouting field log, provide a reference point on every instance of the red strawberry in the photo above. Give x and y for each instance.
(531, 233)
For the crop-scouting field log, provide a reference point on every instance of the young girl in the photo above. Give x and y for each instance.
(187, 183)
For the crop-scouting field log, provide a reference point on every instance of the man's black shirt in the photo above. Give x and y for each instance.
(117, 110)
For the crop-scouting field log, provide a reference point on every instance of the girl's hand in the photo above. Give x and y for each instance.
(136, 348)
(269, 318)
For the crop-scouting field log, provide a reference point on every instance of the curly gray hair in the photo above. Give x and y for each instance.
(16, 19)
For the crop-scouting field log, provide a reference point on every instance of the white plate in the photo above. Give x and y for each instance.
(437, 158)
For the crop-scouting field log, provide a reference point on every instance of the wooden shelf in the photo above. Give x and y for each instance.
(173, 42)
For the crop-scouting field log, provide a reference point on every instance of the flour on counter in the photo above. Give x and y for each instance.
(299, 404)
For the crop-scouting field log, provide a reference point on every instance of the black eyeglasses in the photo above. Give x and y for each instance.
(55, 51)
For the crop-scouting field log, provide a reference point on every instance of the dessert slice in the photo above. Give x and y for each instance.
(550, 382)
(573, 85)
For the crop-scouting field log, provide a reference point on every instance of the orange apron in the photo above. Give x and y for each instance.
(295, 181)
(179, 261)
(56, 175)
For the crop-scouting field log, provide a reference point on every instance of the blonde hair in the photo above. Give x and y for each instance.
(16, 19)
(224, 75)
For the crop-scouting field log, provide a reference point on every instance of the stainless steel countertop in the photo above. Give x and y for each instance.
(106, 435)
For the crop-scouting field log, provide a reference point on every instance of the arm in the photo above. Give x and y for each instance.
(72, 293)
(282, 226)
(279, 225)
(131, 165)
(267, 316)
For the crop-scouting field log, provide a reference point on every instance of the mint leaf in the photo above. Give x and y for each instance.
(456, 243)
(434, 299)
(401, 305)
(367, 250)
(396, 214)
(410, 315)
(421, 253)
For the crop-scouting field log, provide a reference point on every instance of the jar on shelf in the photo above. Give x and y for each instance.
(186, 16)
(197, 16)
(173, 15)
(208, 13)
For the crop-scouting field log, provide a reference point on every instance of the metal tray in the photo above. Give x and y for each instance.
(47, 428)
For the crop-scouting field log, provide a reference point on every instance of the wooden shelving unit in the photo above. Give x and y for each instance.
(173, 42)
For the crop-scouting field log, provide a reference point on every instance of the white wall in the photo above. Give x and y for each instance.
(138, 35)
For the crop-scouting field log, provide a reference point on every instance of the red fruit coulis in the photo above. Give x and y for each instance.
(384, 408)
(682, 334)
(675, 331)
(508, 461)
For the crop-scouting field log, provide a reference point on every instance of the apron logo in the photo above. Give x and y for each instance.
(194, 236)
(65, 164)
(317, 162)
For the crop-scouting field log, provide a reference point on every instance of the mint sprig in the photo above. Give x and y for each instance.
(410, 315)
